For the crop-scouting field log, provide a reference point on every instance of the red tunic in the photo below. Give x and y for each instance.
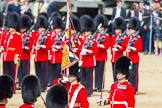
(82, 96)
(121, 92)
(116, 54)
(26, 53)
(12, 46)
(27, 106)
(2, 36)
(89, 60)
(55, 56)
(134, 56)
(102, 52)
(42, 53)
(2, 106)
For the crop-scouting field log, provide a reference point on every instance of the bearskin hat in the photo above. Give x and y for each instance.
(101, 19)
(87, 23)
(30, 15)
(57, 97)
(43, 14)
(54, 14)
(119, 23)
(75, 22)
(13, 21)
(134, 23)
(1, 19)
(6, 86)
(31, 88)
(58, 23)
(25, 22)
(42, 22)
(74, 71)
(123, 65)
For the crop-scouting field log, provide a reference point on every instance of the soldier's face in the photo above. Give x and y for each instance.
(118, 31)
(73, 32)
(72, 78)
(58, 31)
(88, 34)
(12, 30)
(132, 31)
(121, 76)
(101, 29)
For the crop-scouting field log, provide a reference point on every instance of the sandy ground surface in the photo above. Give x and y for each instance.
(150, 85)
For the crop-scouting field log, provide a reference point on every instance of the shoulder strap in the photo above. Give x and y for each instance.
(75, 96)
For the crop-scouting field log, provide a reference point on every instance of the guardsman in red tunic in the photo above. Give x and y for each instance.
(56, 52)
(77, 92)
(76, 39)
(134, 46)
(41, 47)
(12, 47)
(27, 43)
(30, 91)
(87, 54)
(121, 92)
(103, 43)
(6, 89)
(118, 44)
(57, 97)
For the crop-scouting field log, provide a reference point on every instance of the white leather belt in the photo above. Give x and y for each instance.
(119, 102)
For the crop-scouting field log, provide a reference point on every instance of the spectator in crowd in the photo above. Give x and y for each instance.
(158, 5)
(39, 7)
(24, 6)
(142, 12)
(2, 5)
(157, 29)
(155, 12)
(52, 7)
(133, 10)
(12, 6)
(118, 11)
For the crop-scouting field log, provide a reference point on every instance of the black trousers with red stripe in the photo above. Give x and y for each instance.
(41, 69)
(87, 79)
(99, 71)
(133, 78)
(23, 70)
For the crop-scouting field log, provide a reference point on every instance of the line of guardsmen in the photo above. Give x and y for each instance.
(89, 41)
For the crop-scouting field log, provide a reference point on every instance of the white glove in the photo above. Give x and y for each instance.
(26, 48)
(64, 80)
(85, 51)
(43, 46)
(74, 49)
(100, 46)
(115, 49)
(58, 47)
(101, 102)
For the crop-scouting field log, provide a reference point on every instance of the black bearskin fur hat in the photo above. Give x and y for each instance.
(6, 86)
(58, 23)
(42, 22)
(119, 23)
(87, 23)
(74, 71)
(14, 21)
(57, 97)
(101, 19)
(134, 23)
(123, 65)
(26, 22)
(75, 23)
(31, 88)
